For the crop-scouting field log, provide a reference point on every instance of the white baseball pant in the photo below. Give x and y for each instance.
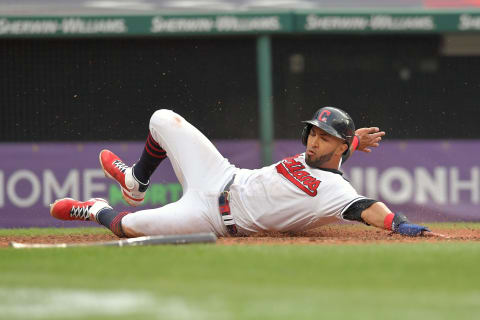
(201, 170)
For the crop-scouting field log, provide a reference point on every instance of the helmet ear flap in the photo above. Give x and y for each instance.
(305, 133)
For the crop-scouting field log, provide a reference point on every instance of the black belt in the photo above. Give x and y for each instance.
(224, 206)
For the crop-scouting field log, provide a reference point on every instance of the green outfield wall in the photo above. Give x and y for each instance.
(241, 23)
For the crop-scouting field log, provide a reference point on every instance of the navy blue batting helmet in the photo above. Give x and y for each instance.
(334, 121)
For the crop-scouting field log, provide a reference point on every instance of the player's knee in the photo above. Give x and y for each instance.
(165, 117)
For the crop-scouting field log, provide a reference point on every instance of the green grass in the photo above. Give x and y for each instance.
(373, 281)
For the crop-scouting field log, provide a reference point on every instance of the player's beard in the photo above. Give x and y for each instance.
(318, 162)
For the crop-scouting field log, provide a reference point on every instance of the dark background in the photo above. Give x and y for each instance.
(106, 89)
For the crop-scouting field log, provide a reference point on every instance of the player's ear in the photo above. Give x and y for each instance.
(341, 149)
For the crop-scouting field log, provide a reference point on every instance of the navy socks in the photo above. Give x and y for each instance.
(112, 220)
(151, 157)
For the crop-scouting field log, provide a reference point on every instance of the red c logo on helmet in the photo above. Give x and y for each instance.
(321, 115)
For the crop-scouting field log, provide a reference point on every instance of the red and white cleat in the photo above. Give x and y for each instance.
(133, 191)
(71, 209)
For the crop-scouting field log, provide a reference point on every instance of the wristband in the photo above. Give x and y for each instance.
(355, 142)
(387, 223)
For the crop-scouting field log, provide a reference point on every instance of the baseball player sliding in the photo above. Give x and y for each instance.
(299, 193)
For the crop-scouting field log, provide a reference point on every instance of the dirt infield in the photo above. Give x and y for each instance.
(334, 234)
(348, 234)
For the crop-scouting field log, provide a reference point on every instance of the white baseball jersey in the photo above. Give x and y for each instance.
(287, 196)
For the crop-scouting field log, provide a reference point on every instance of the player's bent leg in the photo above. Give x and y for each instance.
(196, 161)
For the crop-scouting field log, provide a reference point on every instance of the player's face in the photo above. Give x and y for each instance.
(321, 148)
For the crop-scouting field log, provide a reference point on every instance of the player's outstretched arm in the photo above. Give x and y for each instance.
(377, 214)
(380, 216)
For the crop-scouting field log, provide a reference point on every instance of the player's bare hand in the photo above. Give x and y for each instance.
(369, 138)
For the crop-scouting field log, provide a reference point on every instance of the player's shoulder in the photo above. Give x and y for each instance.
(331, 177)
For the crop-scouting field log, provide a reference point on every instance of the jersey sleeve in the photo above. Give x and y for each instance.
(336, 197)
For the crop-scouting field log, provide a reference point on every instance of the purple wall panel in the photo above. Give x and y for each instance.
(33, 175)
(427, 180)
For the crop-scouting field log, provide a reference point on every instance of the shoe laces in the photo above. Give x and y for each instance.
(120, 165)
(80, 212)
